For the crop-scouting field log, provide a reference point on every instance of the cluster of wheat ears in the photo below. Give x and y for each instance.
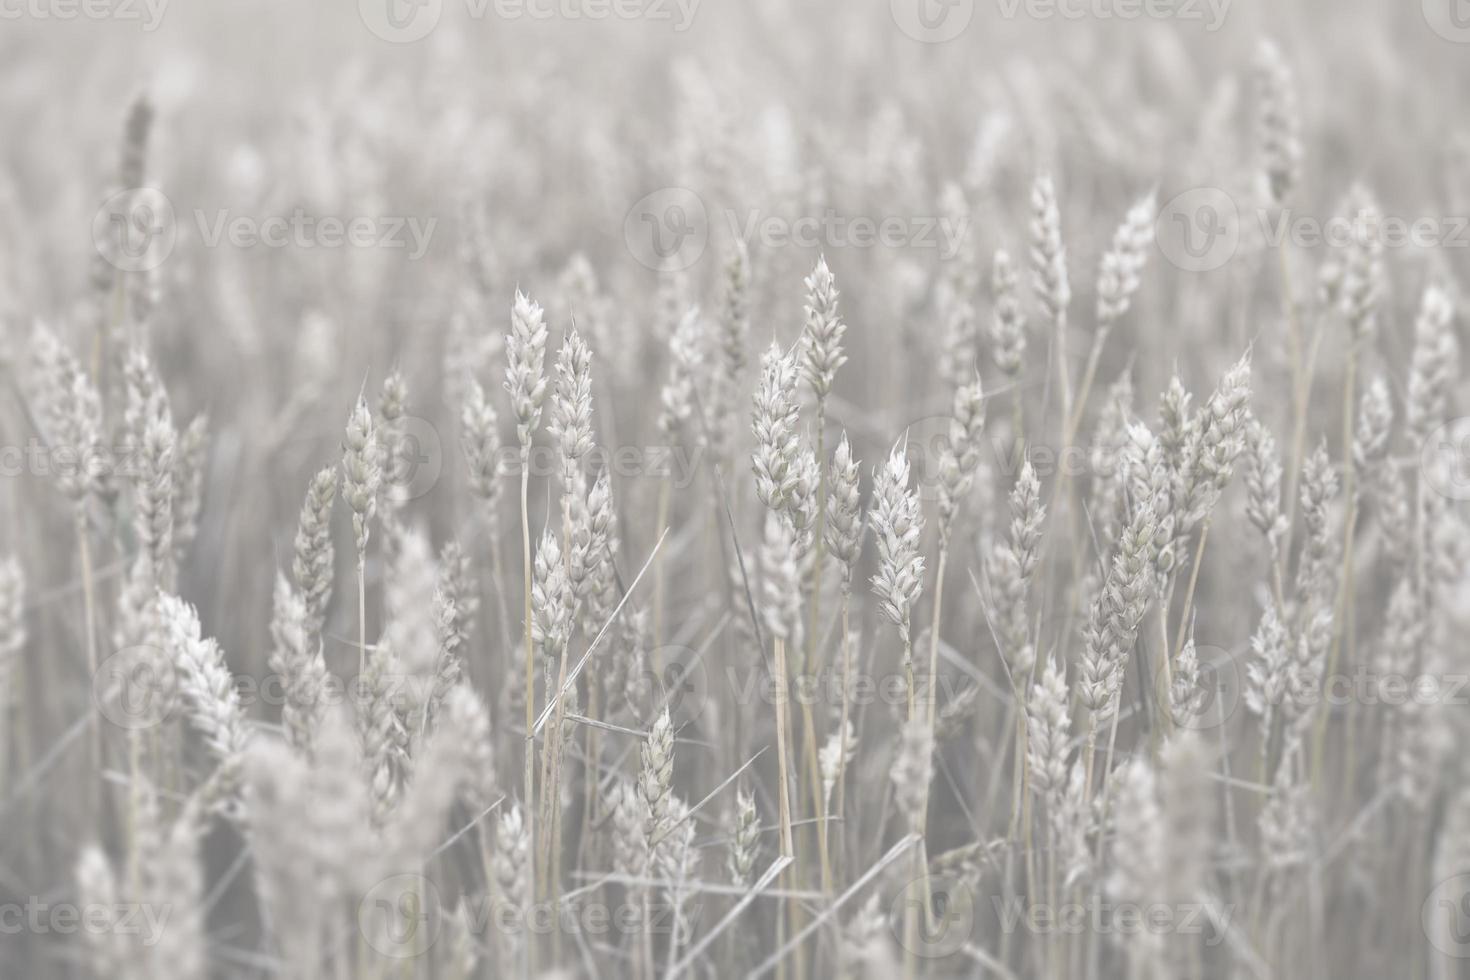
(523, 727)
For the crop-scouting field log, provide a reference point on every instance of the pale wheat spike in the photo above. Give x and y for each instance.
(774, 420)
(479, 440)
(1431, 366)
(312, 565)
(392, 407)
(1048, 728)
(1278, 123)
(897, 527)
(913, 770)
(844, 530)
(821, 338)
(362, 472)
(1122, 264)
(571, 406)
(1049, 281)
(204, 680)
(154, 494)
(686, 351)
(1008, 322)
(188, 482)
(1140, 873)
(12, 642)
(781, 581)
(1363, 285)
(961, 452)
(744, 840)
(656, 777)
(1263, 484)
(1375, 425)
(550, 597)
(525, 379)
(834, 757)
(297, 659)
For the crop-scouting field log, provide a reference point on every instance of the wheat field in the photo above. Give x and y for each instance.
(660, 488)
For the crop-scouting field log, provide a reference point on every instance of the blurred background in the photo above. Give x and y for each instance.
(527, 148)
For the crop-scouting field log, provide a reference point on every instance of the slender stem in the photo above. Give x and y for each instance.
(530, 753)
(658, 576)
(1063, 375)
(933, 705)
(782, 740)
(843, 722)
(1088, 756)
(812, 771)
(1345, 591)
(911, 924)
(788, 848)
(908, 670)
(361, 614)
(809, 733)
(1164, 684)
(1298, 374)
(1183, 631)
(89, 602)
